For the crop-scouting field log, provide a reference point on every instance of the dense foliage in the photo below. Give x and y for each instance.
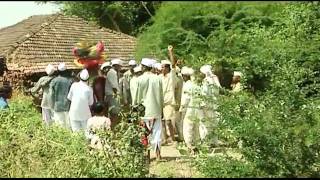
(125, 16)
(29, 149)
(273, 123)
(220, 33)
(276, 46)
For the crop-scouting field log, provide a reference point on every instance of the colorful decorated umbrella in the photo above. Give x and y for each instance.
(88, 54)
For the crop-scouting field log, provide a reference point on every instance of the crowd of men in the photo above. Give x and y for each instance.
(177, 100)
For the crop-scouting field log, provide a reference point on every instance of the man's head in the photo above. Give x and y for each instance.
(116, 64)
(137, 71)
(166, 66)
(147, 64)
(98, 108)
(186, 73)
(236, 76)
(206, 71)
(6, 91)
(84, 75)
(105, 67)
(132, 64)
(157, 68)
(50, 69)
(62, 69)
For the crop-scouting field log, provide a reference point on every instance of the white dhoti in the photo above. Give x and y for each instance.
(47, 116)
(62, 118)
(209, 127)
(179, 124)
(155, 137)
(78, 125)
(203, 131)
(190, 133)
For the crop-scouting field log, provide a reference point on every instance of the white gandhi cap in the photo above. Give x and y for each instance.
(104, 65)
(62, 67)
(137, 69)
(187, 71)
(132, 63)
(206, 69)
(237, 73)
(84, 75)
(50, 69)
(147, 62)
(116, 61)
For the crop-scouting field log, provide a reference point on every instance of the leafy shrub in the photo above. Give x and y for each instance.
(29, 149)
(278, 128)
(207, 32)
(276, 46)
(226, 167)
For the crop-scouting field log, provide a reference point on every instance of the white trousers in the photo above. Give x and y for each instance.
(78, 125)
(62, 119)
(47, 116)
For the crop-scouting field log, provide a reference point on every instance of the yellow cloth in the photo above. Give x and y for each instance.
(169, 83)
(169, 112)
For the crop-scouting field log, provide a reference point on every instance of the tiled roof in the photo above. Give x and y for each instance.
(42, 39)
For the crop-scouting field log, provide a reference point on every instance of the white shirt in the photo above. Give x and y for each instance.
(98, 122)
(194, 109)
(111, 82)
(186, 95)
(81, 97)
(169, 82)
(133, 87)
(95, 123)
(149, 93)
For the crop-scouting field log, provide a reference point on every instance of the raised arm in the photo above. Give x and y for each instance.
(171, 56)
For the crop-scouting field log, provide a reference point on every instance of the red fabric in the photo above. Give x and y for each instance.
(144, 138)
(99, 88)
(91, 63)
(144, 141)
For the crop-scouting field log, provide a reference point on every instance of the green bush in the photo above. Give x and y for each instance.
(211, 32)
(29, 149)
(278, 128)
(226, 167)
(276, 46)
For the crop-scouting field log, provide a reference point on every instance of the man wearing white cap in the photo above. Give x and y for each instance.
(149, 94)
(81, 97)
(59, 87)
(46, 103)
(125, 84)
(157, 68)
(137, 71)
(170, 82)
(236, 85)
(188, 111)
(178, 121)
(112, 91)
(210, 89)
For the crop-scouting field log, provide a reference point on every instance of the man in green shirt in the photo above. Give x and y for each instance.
(60, 86)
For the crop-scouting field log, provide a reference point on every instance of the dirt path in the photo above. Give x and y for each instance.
(172, 164)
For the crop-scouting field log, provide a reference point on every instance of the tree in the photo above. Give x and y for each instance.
(124, 16)
(209, 32)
